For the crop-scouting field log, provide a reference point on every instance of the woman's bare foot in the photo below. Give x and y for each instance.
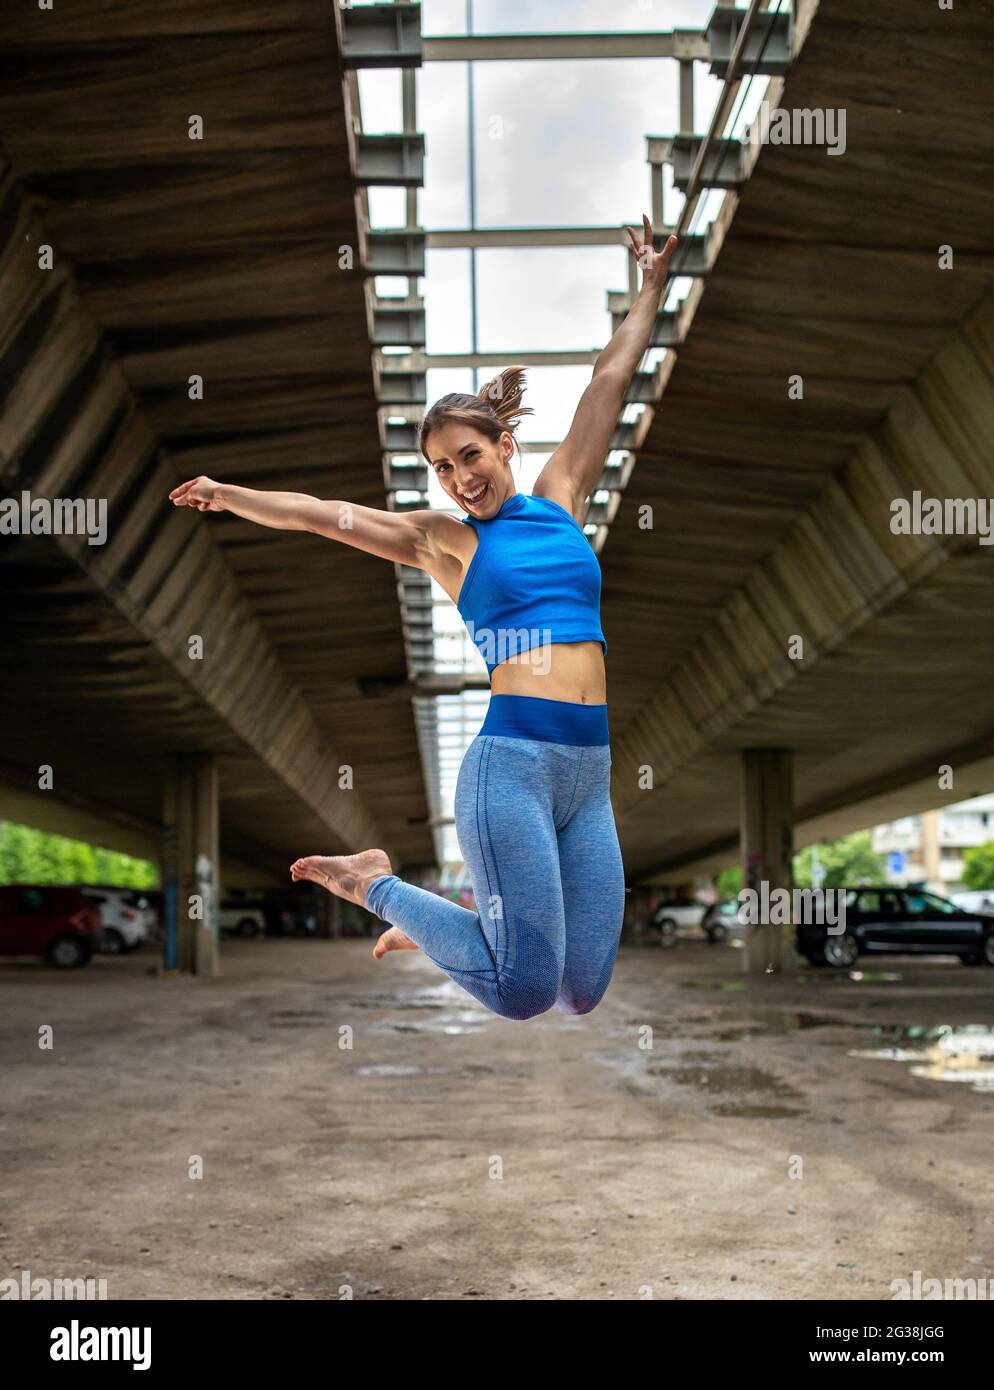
(346, 875)
(393, 940)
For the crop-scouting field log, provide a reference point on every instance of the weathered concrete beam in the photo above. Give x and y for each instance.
(160, 568)
(840, 566)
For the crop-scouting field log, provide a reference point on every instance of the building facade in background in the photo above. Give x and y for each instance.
(929, 848)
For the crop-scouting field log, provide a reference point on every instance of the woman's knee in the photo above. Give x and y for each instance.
(569, 1004)
(521, 1002)
(580, 992)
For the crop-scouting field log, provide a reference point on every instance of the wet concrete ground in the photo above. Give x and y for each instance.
(366, 1128)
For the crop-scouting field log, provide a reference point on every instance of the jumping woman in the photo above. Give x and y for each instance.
(532, 807)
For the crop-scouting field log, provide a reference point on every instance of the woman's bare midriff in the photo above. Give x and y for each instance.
(571, 671)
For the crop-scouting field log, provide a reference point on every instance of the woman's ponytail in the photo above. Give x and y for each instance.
(504, 395)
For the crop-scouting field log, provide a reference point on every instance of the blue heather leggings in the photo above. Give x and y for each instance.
(535, 825)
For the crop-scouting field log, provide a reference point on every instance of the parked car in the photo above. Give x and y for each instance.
(721, 920)
(286, 918)
(242, 916)
(55, 923)
(155, 900)
(669, 919)
(900, 921)
(126, 917)
(974, 900)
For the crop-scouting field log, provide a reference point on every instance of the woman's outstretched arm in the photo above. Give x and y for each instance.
(574, 469)
(404, 537)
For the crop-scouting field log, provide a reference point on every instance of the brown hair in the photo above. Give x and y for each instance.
(496, 407)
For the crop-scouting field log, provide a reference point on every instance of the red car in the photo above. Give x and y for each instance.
(54, 923)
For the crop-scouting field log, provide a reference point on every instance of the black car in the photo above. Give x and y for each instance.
(899, 921)
(292, 915)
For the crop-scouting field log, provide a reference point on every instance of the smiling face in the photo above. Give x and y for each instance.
(473, 471)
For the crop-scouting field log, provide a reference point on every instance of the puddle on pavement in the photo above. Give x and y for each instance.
(755, 1112)
(438, 998)
(964, 1053)
(724, 986)
(699, 1070)
(387, 1002)
(773, 1022)
(390, 1069)
(452, 1022)
(724, 1080)
(820, 977)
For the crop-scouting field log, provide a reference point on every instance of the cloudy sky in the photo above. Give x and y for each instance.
(555, 143)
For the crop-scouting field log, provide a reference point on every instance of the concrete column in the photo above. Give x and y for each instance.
(329, 913)
(190, 863)
(686, 97)
(767, 838)
(658, 206)
(932, 851)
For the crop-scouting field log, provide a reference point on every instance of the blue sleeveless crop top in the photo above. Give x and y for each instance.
(533, 579)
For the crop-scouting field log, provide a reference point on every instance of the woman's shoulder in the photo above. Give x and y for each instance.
(560, 508)
(449, 536)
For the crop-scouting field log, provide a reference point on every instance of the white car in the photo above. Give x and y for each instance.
(671, 918)
(125, 916)
(974, 900)
(241, 918)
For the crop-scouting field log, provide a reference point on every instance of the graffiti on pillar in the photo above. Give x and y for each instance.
(752, 867)
(206, 891)
(171, 944)
(170, 893)
(787, 853)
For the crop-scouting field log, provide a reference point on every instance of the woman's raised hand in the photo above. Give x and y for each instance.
(202, 493)
(655, 264)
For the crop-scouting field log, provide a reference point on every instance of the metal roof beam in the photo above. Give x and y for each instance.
(683, 44)
(771, 39)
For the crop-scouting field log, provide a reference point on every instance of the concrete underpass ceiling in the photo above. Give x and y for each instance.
(772, 516)
(218, 258)
(67, 647)
(869, 738)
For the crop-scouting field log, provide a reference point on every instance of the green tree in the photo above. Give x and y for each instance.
(16, 853)
(28, 855)
(978, 866)
(846, 862)
(729, 882)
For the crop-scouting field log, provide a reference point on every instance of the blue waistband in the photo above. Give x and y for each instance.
(548, 721)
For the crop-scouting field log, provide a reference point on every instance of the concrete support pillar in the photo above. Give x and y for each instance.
(658, 206)
(932, 851)
(329, 913)
(767, 837)
(190, 863)
(686, 96)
